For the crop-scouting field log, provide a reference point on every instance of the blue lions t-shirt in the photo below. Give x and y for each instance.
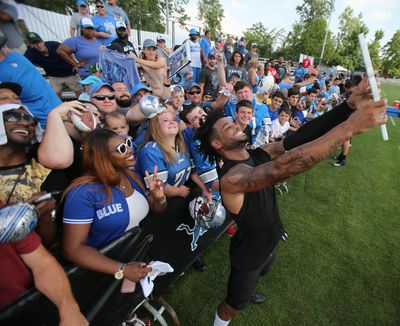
(87, 204)
(202, 166)
(175, 174)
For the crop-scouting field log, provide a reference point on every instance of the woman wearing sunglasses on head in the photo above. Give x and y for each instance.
(165, 148)
(106, 202)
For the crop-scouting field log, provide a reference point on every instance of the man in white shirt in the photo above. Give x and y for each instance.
(195, 54)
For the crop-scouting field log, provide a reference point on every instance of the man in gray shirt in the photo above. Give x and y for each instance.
(74, 26)
(9, 27)
(119, 14)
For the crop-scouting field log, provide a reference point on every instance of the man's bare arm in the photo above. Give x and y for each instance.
(51, 280)
(243, 178)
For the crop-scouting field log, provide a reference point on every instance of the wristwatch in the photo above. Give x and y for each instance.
(119, 275)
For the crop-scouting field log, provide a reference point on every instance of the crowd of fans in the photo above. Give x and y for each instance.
(133, 162)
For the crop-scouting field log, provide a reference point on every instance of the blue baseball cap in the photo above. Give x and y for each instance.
(137, 87)
(193, 31)
(90, 80)
(95, 87)
(81, 3)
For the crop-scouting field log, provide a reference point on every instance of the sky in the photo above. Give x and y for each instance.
(241, 14)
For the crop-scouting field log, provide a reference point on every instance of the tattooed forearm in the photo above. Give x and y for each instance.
(300, 159)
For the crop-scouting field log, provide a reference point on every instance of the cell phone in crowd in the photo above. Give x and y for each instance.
(47, 196)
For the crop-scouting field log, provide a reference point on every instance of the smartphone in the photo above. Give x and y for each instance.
(47, 196)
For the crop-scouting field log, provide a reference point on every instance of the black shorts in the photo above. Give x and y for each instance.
(242, 284)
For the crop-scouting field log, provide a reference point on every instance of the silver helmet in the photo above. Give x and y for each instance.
(17, 221)
(150, 106)
(207, 214)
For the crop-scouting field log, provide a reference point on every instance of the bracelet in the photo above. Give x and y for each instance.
(166, 85)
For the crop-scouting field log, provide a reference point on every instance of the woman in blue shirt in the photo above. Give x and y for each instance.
(165, 148)
(106, 202)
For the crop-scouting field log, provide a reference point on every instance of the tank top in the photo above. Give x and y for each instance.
(258, 221)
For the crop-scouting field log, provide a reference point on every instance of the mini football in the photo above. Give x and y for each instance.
(85, 122)
(17, 221)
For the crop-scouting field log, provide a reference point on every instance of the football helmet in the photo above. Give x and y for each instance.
(17, 221)
(149, 106)
(207, 214)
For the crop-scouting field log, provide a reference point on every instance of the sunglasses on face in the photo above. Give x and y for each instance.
(123, 148)
(17, 116)
(99, 6)
(194, 92)
(103, 97)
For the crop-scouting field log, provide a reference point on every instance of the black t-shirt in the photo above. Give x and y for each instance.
(210, 78)
(52, 64)
(259, 224)
(122, 46)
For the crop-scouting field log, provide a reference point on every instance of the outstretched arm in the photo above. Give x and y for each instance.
(51, 280)
(243, 178)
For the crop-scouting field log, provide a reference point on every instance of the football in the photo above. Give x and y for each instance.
(17, 221)
(85, 122)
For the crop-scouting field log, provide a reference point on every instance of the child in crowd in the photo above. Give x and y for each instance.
(281, 125)
(116, 121)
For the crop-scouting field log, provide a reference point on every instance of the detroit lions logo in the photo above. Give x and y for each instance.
(196, 232)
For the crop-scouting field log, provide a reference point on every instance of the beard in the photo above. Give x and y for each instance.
(124, 102)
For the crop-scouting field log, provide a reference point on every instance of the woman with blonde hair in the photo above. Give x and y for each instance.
(254, 79)
(106, 202)
(165, 148)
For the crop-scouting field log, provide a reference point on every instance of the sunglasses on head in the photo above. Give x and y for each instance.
(11, 116)
(123, 148)
(194, 92)
(103, 97)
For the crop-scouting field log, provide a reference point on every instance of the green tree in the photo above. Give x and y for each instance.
(307, 35)
(391, 56)
(314, 9)
(375, 49)
(211, 13)
(348, 49)
(264, 38)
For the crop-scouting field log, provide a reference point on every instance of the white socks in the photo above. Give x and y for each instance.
(219, 322)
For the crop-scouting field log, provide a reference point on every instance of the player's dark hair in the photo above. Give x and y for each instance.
(206, 133)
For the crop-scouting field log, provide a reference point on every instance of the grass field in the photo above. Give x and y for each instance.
(391, 92)
(341, 264)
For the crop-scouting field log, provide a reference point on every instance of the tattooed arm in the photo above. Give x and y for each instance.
(243, 178)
